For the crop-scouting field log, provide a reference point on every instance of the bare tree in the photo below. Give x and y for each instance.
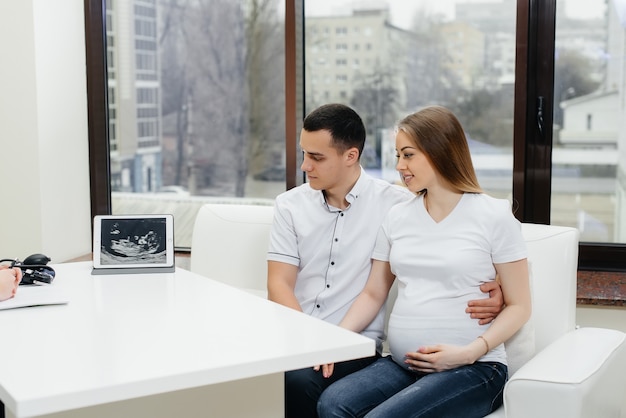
(175, 81)
(571, 79)
(265, 63)
(221, 70)
(432, 82)
(486, 116)
(375, 98)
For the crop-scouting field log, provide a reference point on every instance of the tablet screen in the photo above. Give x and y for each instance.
(126, 241)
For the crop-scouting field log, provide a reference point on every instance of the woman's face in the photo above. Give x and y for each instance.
(415, 169)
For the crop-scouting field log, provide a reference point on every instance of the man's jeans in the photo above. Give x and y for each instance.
(303, 387)
(385, 389)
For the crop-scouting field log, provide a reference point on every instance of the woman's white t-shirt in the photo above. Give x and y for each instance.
(440, 266)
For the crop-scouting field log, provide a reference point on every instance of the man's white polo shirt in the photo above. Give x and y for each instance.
(332, 248)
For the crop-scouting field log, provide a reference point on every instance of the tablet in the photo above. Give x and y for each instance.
(133, 242)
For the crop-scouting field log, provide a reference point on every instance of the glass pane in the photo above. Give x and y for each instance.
(196, 104)
(588, 171)
(387, 59)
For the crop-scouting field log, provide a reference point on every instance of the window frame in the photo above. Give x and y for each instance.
(97, 107)
(532, 166)
(532, 162)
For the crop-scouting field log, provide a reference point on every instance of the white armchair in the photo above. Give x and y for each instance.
(556, 369)
(575, 373)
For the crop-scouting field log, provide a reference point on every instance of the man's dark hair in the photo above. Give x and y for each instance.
(344, 124)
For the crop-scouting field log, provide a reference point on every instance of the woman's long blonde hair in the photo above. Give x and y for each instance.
(437, 133)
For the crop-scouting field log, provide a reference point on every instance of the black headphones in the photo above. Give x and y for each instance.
(34, 269)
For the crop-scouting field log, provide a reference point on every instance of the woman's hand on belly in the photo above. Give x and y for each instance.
(440, 357)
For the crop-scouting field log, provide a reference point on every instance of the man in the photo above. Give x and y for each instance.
(322, 238)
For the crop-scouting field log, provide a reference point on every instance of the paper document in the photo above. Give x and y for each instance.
(36, 296)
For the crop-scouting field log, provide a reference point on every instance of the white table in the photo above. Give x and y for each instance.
(160, 345)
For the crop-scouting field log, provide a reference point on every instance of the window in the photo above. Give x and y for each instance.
(588, 139)
(419, 59)
(497, 76)
(188, 82)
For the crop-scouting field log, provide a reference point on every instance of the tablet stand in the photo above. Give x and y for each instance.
(132, 270)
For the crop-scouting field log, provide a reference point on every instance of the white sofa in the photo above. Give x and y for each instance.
(556, 369)
(229, 243)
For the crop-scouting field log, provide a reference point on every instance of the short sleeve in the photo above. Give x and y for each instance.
(383, 243)
(283, 245)
(508, 244)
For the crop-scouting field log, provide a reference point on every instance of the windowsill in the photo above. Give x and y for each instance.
(598, 288)
(601, 288)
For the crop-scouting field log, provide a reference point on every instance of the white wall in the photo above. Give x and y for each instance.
(601, 317)
(44, 173)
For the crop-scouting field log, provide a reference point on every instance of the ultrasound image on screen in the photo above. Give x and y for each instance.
(133, 241)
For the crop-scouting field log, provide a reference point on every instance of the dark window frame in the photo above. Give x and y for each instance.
(97, 109)
(532, 166)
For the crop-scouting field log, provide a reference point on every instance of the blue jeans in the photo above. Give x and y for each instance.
(303, 387)
(385, 389)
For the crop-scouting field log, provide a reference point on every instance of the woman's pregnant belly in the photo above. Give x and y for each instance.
(407, 334)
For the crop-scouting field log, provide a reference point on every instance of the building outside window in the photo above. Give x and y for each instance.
(462, 55)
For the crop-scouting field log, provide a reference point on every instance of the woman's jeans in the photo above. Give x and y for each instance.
(385, 389)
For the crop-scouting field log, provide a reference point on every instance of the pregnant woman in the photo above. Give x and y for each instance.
(440, 247)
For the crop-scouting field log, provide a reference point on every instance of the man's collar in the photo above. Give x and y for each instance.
(356, 190)
(358, 187)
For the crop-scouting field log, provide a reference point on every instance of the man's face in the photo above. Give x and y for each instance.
(323, 165)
